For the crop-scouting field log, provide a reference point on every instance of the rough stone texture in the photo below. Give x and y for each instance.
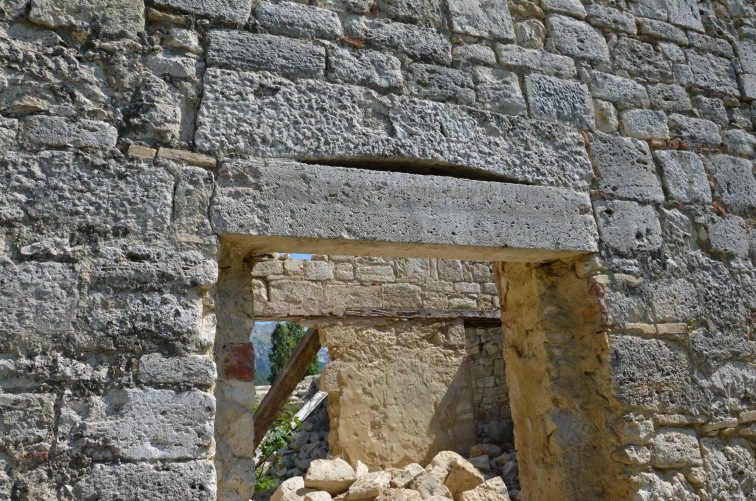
(640, 59)
(695, 130)
(192, 480)
(112, 17)
(155, 368)
(645, 124)
(365, 67)
(577, 39)
(440, 84)
(625, 168)
(684, 176)
(566, 222)
(490, 490)
(417, 42)
(735, 184)
(488, 19)
(360, 124)
(618, 90)
(331, 475)
(294, 19)
(628, 226)
(54, 131)
(499, 91)
(559, 101)
(231, 11)
(520, 58)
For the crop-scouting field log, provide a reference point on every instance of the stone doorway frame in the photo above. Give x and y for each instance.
(539, 239)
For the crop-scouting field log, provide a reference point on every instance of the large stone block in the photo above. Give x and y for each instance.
(625, 168)
(695, 130)
(676, 448)
(315, 120)
(618, 90)
(419, 43)
(157, 369)
(44, 131)
(38, 302)
(735, 182)
(189, 481)
(146, 424)
(479, 18)
(713, 73)
(684, 176)
(577, 39)
(561, 101)
(731, 468)
(26, 421)
(65, 194)
(499, 91)
(253, 51)
(296, 19)
(282, 199)
(112, 17)
(539, 61)
(628, 227)
(230, 11)
(440, 84)
(370, 68)
(640, 59)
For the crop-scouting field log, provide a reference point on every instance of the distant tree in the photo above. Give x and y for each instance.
(284, 339)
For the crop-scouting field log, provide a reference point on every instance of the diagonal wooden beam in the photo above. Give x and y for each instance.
(291, 374)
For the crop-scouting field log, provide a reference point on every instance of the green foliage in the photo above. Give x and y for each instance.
(284, 339)
(280, 434)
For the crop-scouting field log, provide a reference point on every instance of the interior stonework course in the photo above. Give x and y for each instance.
(603, 150)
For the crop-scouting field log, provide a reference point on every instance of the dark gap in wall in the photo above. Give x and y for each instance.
(414, 166)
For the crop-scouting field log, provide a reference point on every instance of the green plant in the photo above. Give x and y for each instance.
(279, 436)
(284, 339)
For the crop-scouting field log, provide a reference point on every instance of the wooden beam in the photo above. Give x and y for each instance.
(291, 374)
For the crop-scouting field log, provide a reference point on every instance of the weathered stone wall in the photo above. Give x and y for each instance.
(633, 117)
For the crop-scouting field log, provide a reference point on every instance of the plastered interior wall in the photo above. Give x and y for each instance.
(123, 369)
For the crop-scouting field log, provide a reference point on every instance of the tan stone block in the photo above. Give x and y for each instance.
(746, 417)
(406, 475)
(490, 490)
(672, 329)
(317, 496)
(188, 157)
(374, 273)
(463, 476)
(318, 270)
(678, 420)
(676, 448)
(428, 485)
(264, 268)
(467, 287)
(399, 495)
(344, 271)
(295, 292)
(638, 328)
(402, 296)
(369, 486)
(331, 475)
(294, 267)
(632, 454)
(136, 151)
(353, 296)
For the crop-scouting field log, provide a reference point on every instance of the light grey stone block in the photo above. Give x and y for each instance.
(669, 97)
(148, 424)
(735, 183)
(242, 50)
(482, 18)
(41, 131)
(747, 85)
(421, 12)
(684, 176)
(570, 7)
(746, 52)
(625, 168)
(717, 46)
(26, 420)
(613, 19)
(695, 130)
(499, 91)
(114, 17)
(157, 369)
(640, 59)
(654, 9)
(713, 73)
(9, 132)
(561, 101)
(684, 13)
(37, 300)
(481, 54)
(315, 120)
(174, 66)
(730, 465)
(674, 300)
(298, 20)
(440, 84)
(230, 11)
(739, 142)
(407, 209)
(711, 108)
(365, 67)
(644, 124)
(628, 227)
(662, 30)
(672, 52)
(676, 448)
(420, 43)
(729, 236)
(189, 481)
(577, 39)
(520, 58)
(77, 195)
(618, 90)
(606, 116)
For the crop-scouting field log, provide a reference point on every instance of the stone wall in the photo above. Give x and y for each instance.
(149, 148)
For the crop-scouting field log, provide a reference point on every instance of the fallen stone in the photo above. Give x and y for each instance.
(406, 475)
(490, 450)
(288, 488)
(369, 486)
(430, 485)
(331, 475)
(399, 495)
(490, 490)
(318, 496)
(482, 463)
(463, 477)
